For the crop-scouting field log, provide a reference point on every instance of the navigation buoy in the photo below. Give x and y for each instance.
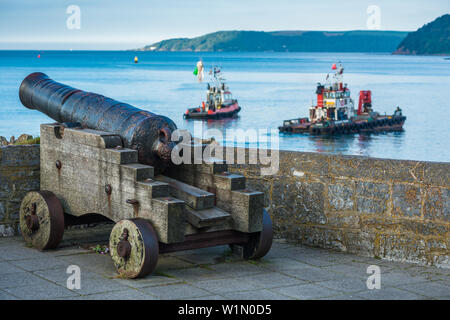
(38, 56)
(135, 59)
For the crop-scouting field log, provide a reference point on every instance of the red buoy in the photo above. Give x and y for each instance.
(333, 67)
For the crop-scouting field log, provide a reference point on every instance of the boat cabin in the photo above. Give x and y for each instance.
(218, 96)
(333, 100)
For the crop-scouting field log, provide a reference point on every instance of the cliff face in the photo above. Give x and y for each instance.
(286, 41)
(433, 39)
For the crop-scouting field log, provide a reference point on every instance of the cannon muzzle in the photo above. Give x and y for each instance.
(146, 132)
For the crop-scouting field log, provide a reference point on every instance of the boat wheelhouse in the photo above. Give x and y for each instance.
(219, 100)
(334, 111)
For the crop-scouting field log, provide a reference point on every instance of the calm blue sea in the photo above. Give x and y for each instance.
(270, 87)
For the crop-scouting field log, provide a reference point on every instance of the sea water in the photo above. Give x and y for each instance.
(270, 88)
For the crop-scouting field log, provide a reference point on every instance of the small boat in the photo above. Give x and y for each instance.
(219, 100)
(334, 112)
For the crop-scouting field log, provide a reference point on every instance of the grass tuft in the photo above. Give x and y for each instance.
(36, 140)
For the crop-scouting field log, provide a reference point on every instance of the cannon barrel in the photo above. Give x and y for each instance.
(148, 133)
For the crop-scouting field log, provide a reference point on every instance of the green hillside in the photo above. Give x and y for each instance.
(290, 41)
(432, 38)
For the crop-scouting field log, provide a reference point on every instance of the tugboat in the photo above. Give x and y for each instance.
(219, 100)
(334, 112)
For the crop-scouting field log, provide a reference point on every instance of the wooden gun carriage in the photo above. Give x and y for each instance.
(87, 171)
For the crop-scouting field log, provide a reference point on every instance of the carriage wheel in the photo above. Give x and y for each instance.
(42, 219)
(260, 243)
(134, 248)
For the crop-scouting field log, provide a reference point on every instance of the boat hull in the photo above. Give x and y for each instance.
(393, 123)
(230, 112)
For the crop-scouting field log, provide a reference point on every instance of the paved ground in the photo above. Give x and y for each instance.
(287, 272)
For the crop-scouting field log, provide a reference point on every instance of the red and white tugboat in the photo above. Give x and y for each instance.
(219, 100)
(334, 112)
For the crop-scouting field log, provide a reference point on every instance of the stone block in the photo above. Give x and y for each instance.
(19, 156)
(303, 164)
(372, 190)
(369, 205)
(341, 196)
(436, 173)
(7, 230)
(437, 204)
(406, 200)
(298, 202)
(343, 219)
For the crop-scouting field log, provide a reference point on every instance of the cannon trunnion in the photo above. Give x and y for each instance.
(88, 171)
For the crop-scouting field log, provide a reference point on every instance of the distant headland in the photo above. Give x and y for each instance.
(431, 39)
(285, 41)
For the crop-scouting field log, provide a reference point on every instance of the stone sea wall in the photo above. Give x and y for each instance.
(391, 209)
(19, 173)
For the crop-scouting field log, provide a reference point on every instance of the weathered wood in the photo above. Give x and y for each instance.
(229, 181)
(92, 169)
(85, 173)
(137, 171)
(88, 137)
(194, 197)
(207, 217)
(41, 220)
(79, 197)
(225, 224)
(110, 182)
(247, 210)
(143, 244)
(169, 218)
(111, 155)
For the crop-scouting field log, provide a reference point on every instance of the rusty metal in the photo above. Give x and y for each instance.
(261, 242)
(32, 220)
(90, 218)
(124, 246)
(151, 246)
(132, 201)
(108, 189)
(59, 132)
(146, 132)
(206, 239)
(135, 205)
(58, 164)
(56, 219)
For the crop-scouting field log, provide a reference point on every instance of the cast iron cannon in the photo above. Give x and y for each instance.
(103, 157)
(148, 133)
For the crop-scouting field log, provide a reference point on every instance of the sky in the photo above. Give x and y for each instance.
(115, 24)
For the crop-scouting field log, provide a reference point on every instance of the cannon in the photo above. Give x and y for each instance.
(148, 133)
(110, 159)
